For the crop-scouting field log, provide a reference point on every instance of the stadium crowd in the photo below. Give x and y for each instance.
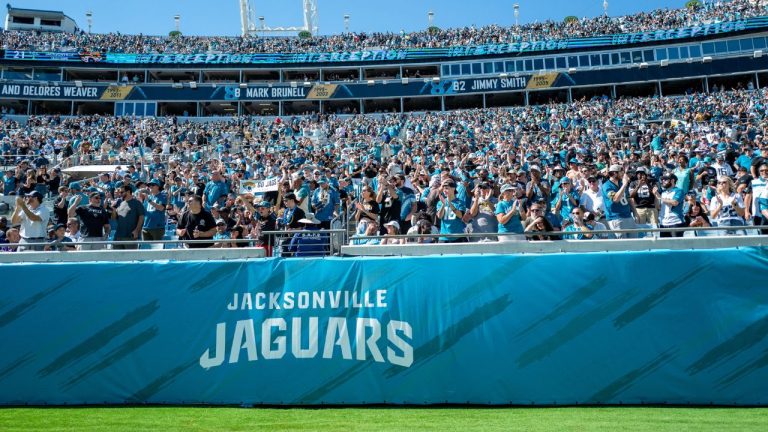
(659, 19)
(584, 166)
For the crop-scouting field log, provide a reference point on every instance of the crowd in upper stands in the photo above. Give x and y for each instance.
(585, 166)
(708, 12)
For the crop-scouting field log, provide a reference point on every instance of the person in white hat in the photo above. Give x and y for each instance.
(619, 208)
(393, 229)
(310, 242)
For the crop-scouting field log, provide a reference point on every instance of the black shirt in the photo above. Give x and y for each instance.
(60, 214)
(203, 221)
(644, 198)
(390, 209)
(93, 220)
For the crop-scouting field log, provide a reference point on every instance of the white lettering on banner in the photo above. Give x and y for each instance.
(48, 91)
(513, 83)
(484, 84)
(367, 299)
(259, 186)
(368, 334)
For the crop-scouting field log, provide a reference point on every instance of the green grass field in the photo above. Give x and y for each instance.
(384, 419)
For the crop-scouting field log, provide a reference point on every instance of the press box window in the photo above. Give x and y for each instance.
(626, 58)
(446, 70)
(560, 61)
(23, 20)
(529, 65)
(674, 53)
(595, 59)
(455, 69)
(746, 45)
(584, 61)
(661, 54)
(637, 56)
(721, 47)
(708, 48)
(510, 66)
(734, 46)
(498, 66)
(488, 67)
(759, 42)
(695, 51)
(648, 55)
(538, 64)
(466, 69)
(476, 68)
(549, 63)
(684, 52)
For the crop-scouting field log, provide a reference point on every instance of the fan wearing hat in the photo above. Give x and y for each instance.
(154, 208)
(33, 217)
(566, 200)
(508, 214)
(324, 202)
(619, 208)
(311, 241)
(642, 191)
(537, 189)
(95, 218)
(721, 166)
(292, 213)
(671, 199)
(58, 240)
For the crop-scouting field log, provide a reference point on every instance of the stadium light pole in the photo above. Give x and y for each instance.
(89, 19)
(605, 7)
(261, 25)
(431, 17)
(346, 23)
(516, 8)
(177, 20)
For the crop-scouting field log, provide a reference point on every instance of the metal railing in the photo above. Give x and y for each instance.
(292, 243)
(626, 234)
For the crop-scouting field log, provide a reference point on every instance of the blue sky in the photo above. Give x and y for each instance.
(222, 17)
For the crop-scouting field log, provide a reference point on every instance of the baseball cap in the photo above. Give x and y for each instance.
(266, 204)
(35, 194)
(507, 187)
(393, 223)
(615, 168)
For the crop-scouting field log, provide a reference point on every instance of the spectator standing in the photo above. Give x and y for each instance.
(154, 212)
(618, 207)
(196, 223)
(95, 225)
(450, 211)
(129, 214)
(671, 201)
(33, 217)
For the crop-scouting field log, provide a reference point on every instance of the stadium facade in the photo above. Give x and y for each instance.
(664, 62)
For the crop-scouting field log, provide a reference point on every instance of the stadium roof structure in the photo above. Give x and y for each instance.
(36, 12)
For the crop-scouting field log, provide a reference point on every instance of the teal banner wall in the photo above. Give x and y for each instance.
(661, 327)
